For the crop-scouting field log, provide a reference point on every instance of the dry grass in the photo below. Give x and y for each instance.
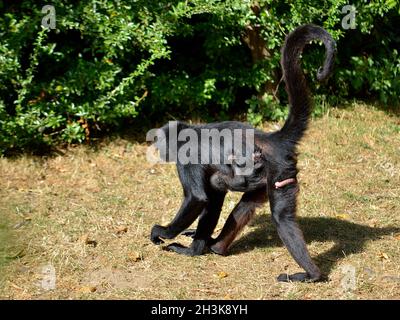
(89, 214)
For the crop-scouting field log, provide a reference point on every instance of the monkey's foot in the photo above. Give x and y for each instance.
(218, 249)
(298, 277)
(191, 233)
(197, 248)
(178, 248)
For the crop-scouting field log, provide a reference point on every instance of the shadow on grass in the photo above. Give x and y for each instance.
(349, 238)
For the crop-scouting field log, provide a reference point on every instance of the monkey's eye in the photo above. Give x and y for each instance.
(240, 165)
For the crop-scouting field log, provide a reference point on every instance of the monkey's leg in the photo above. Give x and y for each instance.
(238, 218)
(283, 209)
(207, 223)
(194, 202)
(187, 214)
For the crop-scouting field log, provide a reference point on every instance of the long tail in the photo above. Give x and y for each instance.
(296, 84)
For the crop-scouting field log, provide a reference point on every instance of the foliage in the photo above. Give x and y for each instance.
(109, 61)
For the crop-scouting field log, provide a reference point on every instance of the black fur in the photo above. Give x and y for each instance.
(205, 186)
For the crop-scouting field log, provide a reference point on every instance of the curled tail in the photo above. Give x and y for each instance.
(296, 84)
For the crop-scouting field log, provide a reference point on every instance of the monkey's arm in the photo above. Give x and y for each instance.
(207, 223)
(283, 209)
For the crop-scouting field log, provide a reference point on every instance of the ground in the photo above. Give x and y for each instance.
(76, 226)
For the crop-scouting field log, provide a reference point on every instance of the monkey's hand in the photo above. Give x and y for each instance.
(156, 232)
(218, 182)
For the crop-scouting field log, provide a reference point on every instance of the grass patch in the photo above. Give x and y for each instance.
(8, 248)
(88, 215)
(4, 240)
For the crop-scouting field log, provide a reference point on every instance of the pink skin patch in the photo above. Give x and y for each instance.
(280, 184)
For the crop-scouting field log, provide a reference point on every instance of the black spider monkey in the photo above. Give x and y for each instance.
(273, 176)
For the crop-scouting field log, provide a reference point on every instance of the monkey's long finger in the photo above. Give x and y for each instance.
(189, 233)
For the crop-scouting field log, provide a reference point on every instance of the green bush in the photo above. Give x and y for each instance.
(110, 61)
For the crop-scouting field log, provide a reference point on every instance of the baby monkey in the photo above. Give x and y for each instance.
(233, 178)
